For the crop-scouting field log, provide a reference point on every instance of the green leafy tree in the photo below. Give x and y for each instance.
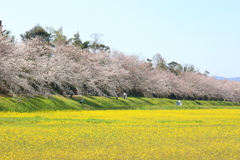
(6, 33)
(175, 67)
(85, 45)
(37, 31)
(59, 37)
(206, 73)
(99, 47)
(189, 68)
(76, 40)
(96, 45)
(159, 61)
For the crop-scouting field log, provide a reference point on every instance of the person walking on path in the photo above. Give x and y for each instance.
(71, 93)
(124, 95)
(81, 102)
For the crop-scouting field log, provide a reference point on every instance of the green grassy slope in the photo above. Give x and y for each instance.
(39, 103)
(26, 104)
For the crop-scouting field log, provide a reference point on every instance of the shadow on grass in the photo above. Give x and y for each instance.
(149, 103)
(92, 104)
(197, 102)
(42, 103)
(105, 104)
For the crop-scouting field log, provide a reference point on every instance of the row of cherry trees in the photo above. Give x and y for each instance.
(34, 67)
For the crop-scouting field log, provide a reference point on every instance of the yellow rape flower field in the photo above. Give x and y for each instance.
(121, 135)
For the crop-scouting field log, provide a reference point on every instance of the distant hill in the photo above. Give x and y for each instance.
(231, 79)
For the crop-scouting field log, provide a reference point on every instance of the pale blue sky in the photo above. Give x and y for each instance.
(205, 33)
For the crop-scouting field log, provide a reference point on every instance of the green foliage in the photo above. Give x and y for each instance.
(59, 37)
(53, 36)
(99, 47)
(96, 45)
(37, 31)
(76, 40)
(85, 44)
(7, 34)
(175, 67)
(159, 61)
(206, 73)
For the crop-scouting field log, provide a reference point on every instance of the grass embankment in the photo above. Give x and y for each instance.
(39, 103)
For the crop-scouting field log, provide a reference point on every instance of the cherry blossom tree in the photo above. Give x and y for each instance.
(35, 67)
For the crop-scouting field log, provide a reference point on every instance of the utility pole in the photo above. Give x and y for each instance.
(0, 25)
